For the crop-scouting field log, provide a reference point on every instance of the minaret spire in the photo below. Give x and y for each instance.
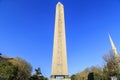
(113, 46)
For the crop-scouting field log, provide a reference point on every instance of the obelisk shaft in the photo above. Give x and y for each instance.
(59, 60)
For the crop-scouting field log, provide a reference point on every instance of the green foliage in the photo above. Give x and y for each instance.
(18, 69)
(112, 67)
(38, 75)
(106, 73)
(90, 76)
(73, 77)
(24, 69)
(35, 77)
(97, 74)
(14, 69)
(38, 72)
(7, 70)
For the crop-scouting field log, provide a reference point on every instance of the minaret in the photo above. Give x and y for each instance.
(113, 47)
(59, 59)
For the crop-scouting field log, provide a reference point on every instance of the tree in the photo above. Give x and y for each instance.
(85, 74)
(73, 77)
(95, 76)
(7, 71)
(14, 68)
(38, 75)
(95, 73)
(0, 54)
(111, 67)
(82, 75)
(38, 72)
(91, 76)
(24, 69)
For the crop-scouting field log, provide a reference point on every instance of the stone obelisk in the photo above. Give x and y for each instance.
(59, 59)
(113, 47)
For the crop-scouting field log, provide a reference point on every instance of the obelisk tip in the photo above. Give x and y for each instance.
(59, 4)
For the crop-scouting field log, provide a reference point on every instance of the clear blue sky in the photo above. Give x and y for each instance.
(27, 29)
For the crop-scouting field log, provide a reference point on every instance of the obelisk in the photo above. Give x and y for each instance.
(59, 59)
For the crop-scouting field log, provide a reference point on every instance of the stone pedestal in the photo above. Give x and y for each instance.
(114, 78)
(63, 77)
(60, 79)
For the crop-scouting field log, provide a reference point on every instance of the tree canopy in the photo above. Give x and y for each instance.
(14, 69)
(8, 71)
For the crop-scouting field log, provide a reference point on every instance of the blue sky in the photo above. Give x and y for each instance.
(27, 29)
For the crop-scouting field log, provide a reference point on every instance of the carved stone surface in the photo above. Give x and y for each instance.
(59, 59)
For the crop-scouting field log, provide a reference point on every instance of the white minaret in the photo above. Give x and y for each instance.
(59, 59)
(113, 47)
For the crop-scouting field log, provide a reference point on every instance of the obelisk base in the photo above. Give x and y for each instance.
(65, 77)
